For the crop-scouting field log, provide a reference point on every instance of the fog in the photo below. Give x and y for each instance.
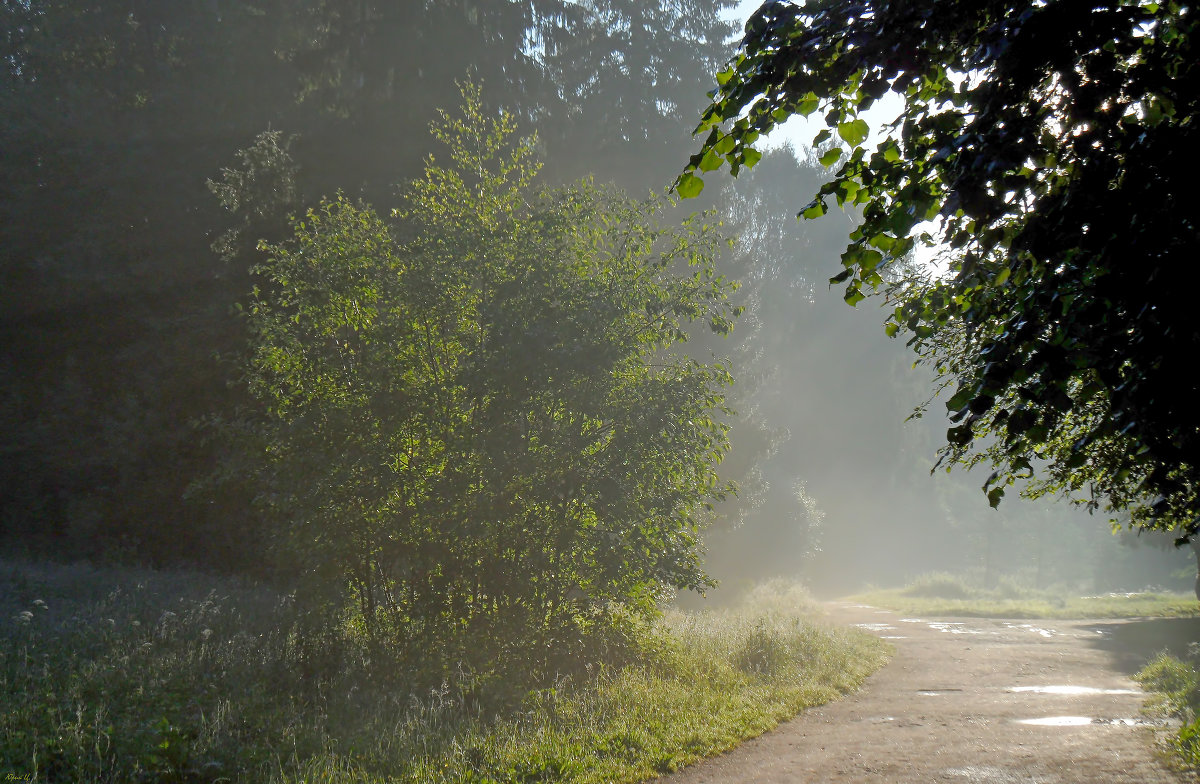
(117, 315)
(853, 424)
(845, 495)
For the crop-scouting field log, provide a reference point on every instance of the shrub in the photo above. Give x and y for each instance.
(939, 585)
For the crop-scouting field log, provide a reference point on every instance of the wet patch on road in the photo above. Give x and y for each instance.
(875, 627)
(1069, 691)
(1029, 627)
(1081, 721)
(991, 773)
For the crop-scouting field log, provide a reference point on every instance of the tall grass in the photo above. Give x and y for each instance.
(124, 676)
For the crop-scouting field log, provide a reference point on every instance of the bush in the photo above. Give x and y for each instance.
(939, 585)
(474, 417)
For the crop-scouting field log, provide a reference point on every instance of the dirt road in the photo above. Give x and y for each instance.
(974, 700)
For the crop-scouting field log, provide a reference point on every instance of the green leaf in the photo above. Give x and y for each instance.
(960, 399)
(711, 161)
(883, 242)
(822, 137)
(994, 496)
(853, 296)
(846, 191)
(807, 105)
(815, 209)
(689, 186)
(751, 156)
(842, 276)
(869, 259)
(830, 157)
(853, 132)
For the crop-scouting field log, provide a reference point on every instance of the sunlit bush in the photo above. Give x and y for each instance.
(474, 415)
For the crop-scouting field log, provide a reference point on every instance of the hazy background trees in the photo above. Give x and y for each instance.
(149, 147)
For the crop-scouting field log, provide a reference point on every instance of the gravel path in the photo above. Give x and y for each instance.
(972, 700)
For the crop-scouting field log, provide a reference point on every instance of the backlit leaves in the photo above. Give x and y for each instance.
(1046, 139)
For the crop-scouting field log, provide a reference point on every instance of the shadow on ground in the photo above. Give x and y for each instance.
(1133, 643)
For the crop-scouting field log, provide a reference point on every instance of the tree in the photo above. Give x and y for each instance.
(1050, 142)
(627, 76)
(475, 416)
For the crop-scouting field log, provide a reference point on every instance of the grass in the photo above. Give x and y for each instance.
(123, 676)
(941, 594)
(1175, 686)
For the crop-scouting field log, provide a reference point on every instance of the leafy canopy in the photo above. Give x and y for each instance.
(474, 415)
(1051, 143)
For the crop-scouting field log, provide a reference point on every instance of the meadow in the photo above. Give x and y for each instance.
(118, 675)
(941, 594)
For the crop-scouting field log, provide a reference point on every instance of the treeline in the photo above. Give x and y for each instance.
(136, 182)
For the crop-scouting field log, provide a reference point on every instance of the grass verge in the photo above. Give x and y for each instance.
(122, 676)
(949, 595)
(1174, 685)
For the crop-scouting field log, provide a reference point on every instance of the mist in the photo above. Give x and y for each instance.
(116, 313)
(841, 437)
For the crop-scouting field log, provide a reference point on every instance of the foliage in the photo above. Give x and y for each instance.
(1044, 139)
(124, 676)
(258, 193)
(1176, 687)
(484, 427)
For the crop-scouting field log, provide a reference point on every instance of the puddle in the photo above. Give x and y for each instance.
(1142, 722)
(1031, 628)
(1058, 721)
(953, 628)
(1072, 691)
(876, 627)
(1079, 721)
(937, 692)
(991, 773)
